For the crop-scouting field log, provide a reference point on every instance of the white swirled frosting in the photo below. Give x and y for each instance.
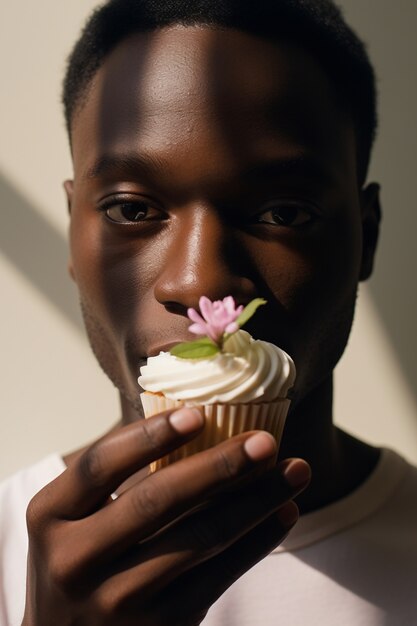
(247, 371)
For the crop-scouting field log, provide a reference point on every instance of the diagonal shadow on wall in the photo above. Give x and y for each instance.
(38, 250)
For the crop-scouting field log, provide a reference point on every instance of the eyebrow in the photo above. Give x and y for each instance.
(299, 165)
(302, 165)
(123, 163)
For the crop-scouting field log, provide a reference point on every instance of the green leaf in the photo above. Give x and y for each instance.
(249, 311)
(200, 349)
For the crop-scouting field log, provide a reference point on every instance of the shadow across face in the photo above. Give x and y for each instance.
(211, 162)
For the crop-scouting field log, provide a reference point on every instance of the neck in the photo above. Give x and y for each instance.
(339, 462)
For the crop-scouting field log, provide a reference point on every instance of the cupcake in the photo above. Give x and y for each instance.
(239, 383)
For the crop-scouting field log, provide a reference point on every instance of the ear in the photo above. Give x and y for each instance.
(371, 217)
(69, 192)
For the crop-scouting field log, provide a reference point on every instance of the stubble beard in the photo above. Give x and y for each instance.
(106, 355)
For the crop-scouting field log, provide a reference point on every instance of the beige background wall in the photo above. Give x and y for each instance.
(53, 395)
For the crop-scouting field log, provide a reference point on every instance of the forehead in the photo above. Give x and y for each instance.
(224, 89)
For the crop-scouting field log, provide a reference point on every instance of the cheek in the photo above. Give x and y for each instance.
(86, 252)
(116, 274)
(314, 282)
(313, 272)
(110, 274)
(336, 260)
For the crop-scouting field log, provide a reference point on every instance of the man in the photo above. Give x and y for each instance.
(219, 148)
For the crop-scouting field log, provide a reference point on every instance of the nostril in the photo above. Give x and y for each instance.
(175, 307)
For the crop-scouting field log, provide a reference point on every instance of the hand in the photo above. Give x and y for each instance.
(171, 544)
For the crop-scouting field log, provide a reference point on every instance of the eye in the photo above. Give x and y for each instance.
(130, 211)
(288, 214)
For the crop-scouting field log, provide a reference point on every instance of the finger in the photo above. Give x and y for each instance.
(199, 537)
(206, 583)
(164, 496)
(90, 480)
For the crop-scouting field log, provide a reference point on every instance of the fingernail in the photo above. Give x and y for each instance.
(260, 446)
(288, 514)
(297, 473)
(186, 420)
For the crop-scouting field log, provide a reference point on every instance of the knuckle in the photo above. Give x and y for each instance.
(154, 434)
(228, 467)
(91, 467)
(66, 570)
(36, 515)
(149, 501)
(60, 572)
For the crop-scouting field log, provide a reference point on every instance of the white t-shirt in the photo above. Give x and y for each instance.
(353, 563)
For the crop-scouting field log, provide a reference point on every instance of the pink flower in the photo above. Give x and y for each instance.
(217, 318)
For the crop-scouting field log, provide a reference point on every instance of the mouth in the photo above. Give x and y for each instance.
(154, 351)
(166, 347)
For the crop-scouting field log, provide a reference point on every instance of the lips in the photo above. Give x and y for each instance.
(166, 347)
(155, 350)
(138, 358)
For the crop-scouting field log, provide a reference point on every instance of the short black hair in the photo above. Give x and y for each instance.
(316, 25)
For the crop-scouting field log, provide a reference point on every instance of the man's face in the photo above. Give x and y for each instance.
(211, 162)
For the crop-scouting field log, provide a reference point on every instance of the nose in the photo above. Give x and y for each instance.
(205, 256)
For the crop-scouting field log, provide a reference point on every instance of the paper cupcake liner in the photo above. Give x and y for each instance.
(222, 421)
